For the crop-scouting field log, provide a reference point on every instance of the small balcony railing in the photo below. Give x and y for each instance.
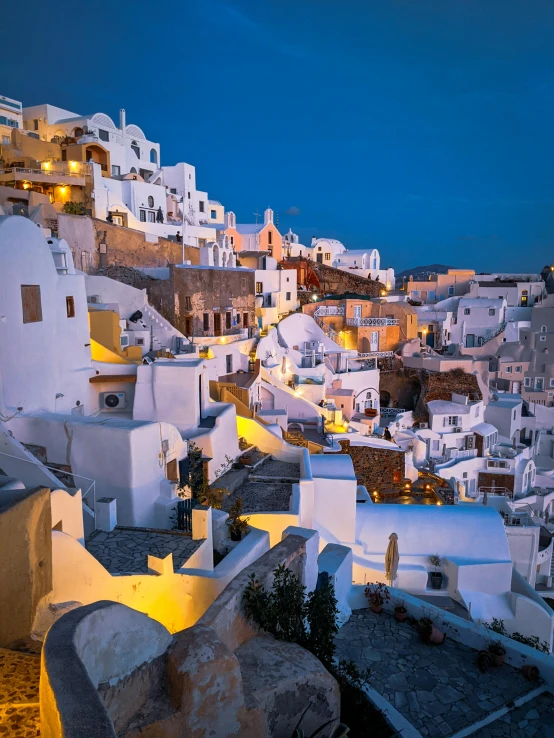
(372, 322)
(323, 311)
(376, 355)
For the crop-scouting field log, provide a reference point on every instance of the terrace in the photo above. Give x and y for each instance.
(439, 689)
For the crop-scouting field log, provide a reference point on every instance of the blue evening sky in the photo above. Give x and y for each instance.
(422, 127)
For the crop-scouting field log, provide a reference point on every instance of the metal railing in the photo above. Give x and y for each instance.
(495, 492)
(376, 355)
(489, 335)
(391, 411)
(90, 489)
(372, 322)
(329, 310)
(48, 172)
(330, 333)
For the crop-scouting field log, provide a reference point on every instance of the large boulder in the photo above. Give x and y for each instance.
(283, 679)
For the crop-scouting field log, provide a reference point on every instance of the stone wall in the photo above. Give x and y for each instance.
(337, 282)
(376, 468)
(412, 389)
(489, 479)
(96, 244)
(26, 554)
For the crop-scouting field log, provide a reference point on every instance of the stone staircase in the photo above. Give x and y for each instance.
(19, 691)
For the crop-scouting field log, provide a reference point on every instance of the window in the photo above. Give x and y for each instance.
(232, 240)
(452, 420)
(151, 216)
(188, 194)
(35, 124)
(270, 237)
(492, 311)
(140, 341)
(142, 216)
(150, 201)
(508, 369)
(229, 363)
(327, 257)
(245, 320)
(124, 341)
(238, 318)
(515, 413)
(552, 382)
(206, 326)
(5, 139)
(31, 303)
(188, 303)
(103, 135)
(136, 149)
(464, 475)
(213, 214)
(539, 384)
(259, 288)
(201, 206)
(467, 311)
(228, 316)
(319, 248)
(70, 306)
(518, 369)
(527, 382)
(172, 471)
(450, 291)
(116, 171)
(153, 156)
(173, 190)
(542, 338)
(543, 329)
(287, 296)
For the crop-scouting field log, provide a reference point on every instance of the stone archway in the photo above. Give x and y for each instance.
(216, 254)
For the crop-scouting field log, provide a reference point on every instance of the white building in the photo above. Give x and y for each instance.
(275, 287)
(11, 116)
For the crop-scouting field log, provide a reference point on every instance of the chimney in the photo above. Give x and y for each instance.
(122, 120)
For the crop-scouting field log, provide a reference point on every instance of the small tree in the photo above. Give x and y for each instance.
(74, 208)
(321, 614)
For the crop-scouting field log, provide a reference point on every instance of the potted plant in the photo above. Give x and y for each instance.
(485, 660)
(428, 632)
(377, 594)
(497, 651)
(237, 525)
(400, 611)
(246, 459)
(436, 576)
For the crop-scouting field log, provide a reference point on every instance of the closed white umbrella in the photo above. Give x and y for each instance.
(391, 558)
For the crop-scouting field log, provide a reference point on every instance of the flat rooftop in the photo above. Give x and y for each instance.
(126, 550)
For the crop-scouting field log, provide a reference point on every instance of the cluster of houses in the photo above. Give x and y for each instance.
(426, 411)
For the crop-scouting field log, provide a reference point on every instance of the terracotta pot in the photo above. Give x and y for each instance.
(246, 460)
(530, 672)
(484, 661)
(400, 616)
(497, 659)
(436, 636)
(376, 608)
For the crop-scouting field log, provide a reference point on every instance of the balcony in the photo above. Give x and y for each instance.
(21, 174)
(372, 322)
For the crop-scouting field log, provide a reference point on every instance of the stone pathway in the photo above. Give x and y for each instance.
(19, 694)
(278, 469)
(261, 497)
(436, 688)
(126, 550)
(534, 718)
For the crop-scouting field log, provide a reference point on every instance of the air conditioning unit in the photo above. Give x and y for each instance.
(457, 430)
(424, 425)
(94, 299)
(113, 401)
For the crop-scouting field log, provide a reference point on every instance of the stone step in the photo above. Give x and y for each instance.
(19, 693)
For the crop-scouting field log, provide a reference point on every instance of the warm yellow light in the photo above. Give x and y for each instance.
(314, 298)
(26, 185)
(46, 165)
(439, 503)
(73, 164)
(388, 285)
(383, 293)
(424, 330)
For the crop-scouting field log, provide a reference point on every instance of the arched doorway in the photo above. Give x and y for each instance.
(216, 254)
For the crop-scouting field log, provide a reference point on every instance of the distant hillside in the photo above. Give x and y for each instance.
(422, 272)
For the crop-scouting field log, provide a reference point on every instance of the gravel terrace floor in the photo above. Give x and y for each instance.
(438, 688)
(126, 550)
(261, 497)
(278, 469)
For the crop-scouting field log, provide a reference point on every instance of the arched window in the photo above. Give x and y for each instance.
(150, 201)
(136, 148)
(153, 156)
(544, 329)
(78, 132)
(133, 170)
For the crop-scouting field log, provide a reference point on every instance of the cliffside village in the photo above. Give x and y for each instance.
(186, 400)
